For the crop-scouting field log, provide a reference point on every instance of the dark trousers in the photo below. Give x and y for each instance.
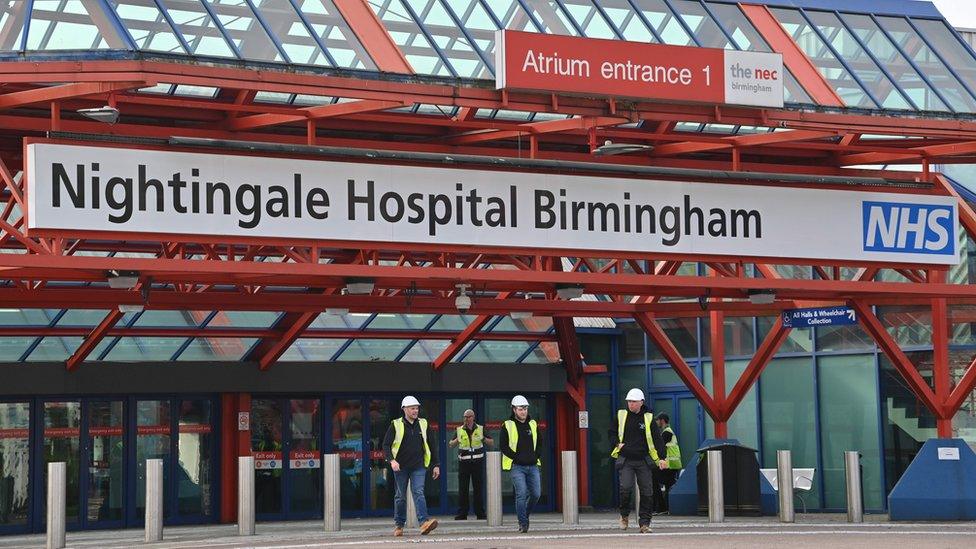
(639, 469)
(663, 481)
(472, 470)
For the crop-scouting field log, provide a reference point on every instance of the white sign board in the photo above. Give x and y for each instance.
(948, 454)
(87, 188)
(243, 421)
(584, 420)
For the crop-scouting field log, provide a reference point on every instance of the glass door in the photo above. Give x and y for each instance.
(61, 441)
(106, 459)
(153, 427)
(381, 484)
(347, 441)
(497, 410)
(15, 496)
(195, 461)
(304, 445)
(684, 412)
(266, 445)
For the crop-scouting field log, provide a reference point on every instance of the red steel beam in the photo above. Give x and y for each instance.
(940, 365)
(872, 325)
(464, 337)
(742, 141)
(798, 63)
(221, 333)
(967, 216)
(373, 35)
(771, 343)
(931, 152)
(678, 363)
(569, 349)
(311, 113)
(64, 91)
(538, 128)
(93, 339)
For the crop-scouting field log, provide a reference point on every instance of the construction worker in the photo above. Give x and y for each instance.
(520, 455)
(470, 440)
(637, 452)
(410, 449)
(664, 479)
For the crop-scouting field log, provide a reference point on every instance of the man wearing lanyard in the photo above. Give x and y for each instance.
(470, 441)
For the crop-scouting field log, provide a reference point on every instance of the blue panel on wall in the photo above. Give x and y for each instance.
(934, 488)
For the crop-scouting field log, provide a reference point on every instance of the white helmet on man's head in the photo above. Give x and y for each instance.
(635, 395)
(520, 400)
(409, 401)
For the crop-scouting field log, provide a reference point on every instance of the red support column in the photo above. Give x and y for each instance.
(717, 332)
(940, 360)
(233, 443)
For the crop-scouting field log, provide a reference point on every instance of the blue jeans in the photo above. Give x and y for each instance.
(417, 478)
(527, 482)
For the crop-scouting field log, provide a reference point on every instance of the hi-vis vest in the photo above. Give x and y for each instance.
(513, 441)
(398, 438)
(622, 422)
(471, 448)
(674, 451)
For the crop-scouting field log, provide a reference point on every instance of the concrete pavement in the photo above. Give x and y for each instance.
(594, 530)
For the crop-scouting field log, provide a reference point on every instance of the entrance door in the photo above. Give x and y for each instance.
(15, 469)
(685, 416)
(286, 443)
(105, 454)
(61, 441)
(347, 441)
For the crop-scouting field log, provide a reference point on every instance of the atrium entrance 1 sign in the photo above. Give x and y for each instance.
(616, 68)
(81, 189)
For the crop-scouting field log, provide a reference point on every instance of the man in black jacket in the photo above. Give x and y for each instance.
(639, 448)
(411, 450)
(520, 455)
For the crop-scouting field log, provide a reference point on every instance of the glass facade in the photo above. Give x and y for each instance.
(881, 60)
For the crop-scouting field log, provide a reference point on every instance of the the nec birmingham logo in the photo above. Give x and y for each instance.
(908, 228)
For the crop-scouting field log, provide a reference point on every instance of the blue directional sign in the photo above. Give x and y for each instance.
(819, 316)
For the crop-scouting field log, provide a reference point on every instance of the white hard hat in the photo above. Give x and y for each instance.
(409, 401)
(520, 400)
(635, 394)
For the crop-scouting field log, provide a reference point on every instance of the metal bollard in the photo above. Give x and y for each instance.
(570, 490)
(154, 500)
(411, 507)
(56, 500)
(784, 488)
(855, 503)
(332, 506)
(245, 496)
(493, 487)
(716, 493)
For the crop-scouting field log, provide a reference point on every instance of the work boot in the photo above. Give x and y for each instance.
(624, 522)
(522, 529)
(428, 526)
(398, 531)
(645, 529)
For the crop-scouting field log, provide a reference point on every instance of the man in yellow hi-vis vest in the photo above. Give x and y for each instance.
(638, 451)
(664, 479)
(470, 441)
(411, 450)
(519, 443)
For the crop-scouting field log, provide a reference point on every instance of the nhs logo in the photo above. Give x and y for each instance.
(909, 228)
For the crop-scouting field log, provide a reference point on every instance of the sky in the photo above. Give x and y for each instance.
(960, 13)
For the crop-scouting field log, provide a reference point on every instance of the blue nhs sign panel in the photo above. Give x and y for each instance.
(907, 228)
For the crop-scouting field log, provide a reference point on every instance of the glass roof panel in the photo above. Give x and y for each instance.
(552, 19)
(69, 25)
(407, 34)
(198, 29)
(660, 17)
(709, 34)
(216, 348)
(14, 347)
(328, 320)
(340, 42)
(627, 21)
(955, 54)
(832, 69)
(243, 319)
(425, 350)
(245, 30)
(368, 350)
(312, 349)
(880, 87)
(511, 15)
(25, 317)
(497, 351)
(13, 13)
(908, 79)
(439, 21)
(929, 63)
(387, 321)
(288, 29)
(147, 25)
(145, 348)
(172, 319)
(82, 317)
(589, 19)
(54, 349)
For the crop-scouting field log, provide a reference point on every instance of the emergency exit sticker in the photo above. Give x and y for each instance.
(267, 460)
(304, 459)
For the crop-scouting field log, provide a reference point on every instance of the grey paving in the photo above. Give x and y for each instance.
(594, 530)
